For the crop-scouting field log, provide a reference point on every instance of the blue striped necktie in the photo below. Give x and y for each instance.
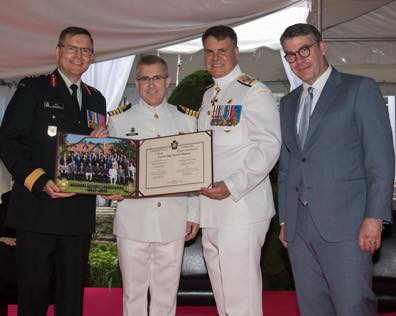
(305, 115)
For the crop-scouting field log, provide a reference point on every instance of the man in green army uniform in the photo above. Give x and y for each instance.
(53, 228)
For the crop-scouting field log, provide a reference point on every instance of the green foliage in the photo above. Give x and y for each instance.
(104, 269)
(128, 149)
(190, 90)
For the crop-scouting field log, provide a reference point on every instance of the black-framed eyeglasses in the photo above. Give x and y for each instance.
(303, 52)
(71, 49)
(155, 79)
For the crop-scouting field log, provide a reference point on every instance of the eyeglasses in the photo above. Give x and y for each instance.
(155, 79)
(71, 49)
(303, 52)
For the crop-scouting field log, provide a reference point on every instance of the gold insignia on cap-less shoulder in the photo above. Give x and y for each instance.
(246, 80)
(186, 110)
(122, 108)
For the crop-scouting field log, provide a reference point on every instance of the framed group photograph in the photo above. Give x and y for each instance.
(134, 168)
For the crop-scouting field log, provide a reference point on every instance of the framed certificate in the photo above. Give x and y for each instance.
(134, 168)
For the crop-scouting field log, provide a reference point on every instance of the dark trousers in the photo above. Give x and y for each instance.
(7, 264)
(331, 278)
(47, 263)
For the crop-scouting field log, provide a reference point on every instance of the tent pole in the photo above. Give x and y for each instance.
(319, 15)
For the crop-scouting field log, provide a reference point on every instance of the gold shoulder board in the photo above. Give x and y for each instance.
(246, 80)
(188, 111)
(122, 108)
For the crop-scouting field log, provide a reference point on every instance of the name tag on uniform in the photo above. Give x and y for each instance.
(226, 115)
(54, 105)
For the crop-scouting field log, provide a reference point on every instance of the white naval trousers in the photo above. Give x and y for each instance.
(150, 266)
(232, 256)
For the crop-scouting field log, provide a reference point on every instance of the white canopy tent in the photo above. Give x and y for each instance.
(29, 30)
(360, 33)
(360, 36)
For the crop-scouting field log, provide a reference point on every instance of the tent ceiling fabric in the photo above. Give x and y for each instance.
(359, 36)
(342, 11)
(29, 29)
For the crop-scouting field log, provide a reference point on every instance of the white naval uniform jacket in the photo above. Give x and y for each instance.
(243, 155)
(156, 219)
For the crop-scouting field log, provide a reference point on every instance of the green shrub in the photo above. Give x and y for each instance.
(189, 92)
(104, 269)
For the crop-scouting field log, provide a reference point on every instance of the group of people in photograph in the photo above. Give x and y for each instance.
(102, 167)
(331, 135)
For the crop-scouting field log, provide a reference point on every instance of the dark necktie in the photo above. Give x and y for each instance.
(305, 115)
(74, 89)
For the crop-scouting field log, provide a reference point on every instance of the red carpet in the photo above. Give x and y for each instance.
(108, 302)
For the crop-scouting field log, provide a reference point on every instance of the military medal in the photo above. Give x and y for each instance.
(156, 116)
(52, 130)
(226, 115)
(95, 119)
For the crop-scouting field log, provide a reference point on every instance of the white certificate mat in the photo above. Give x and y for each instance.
(175, 164)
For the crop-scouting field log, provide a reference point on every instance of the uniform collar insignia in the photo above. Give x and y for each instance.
(53, 80)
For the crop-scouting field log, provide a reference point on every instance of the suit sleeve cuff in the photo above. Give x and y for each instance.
(39, 184)
(233, 192)
(32, 178)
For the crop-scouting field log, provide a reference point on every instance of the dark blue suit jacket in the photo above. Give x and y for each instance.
(347, 164)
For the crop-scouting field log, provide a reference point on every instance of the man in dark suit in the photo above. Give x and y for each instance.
(335, 179)
(53, 228)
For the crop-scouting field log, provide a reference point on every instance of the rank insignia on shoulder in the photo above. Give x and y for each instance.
(122, 108)
(188, 111)
(246, 80)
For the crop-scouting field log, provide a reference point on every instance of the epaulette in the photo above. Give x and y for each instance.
(122, 108)
(188, 111)
(27, 79)
(246, 80)
(37, 76)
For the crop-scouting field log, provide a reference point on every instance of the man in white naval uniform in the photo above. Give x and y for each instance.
(151, 232)
(236, 212)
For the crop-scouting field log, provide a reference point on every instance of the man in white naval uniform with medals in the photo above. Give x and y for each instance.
(236, 212)
(151, 231)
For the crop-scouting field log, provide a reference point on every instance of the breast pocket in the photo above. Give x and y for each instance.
(227, 135)
(226, 123)
(51, 118)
